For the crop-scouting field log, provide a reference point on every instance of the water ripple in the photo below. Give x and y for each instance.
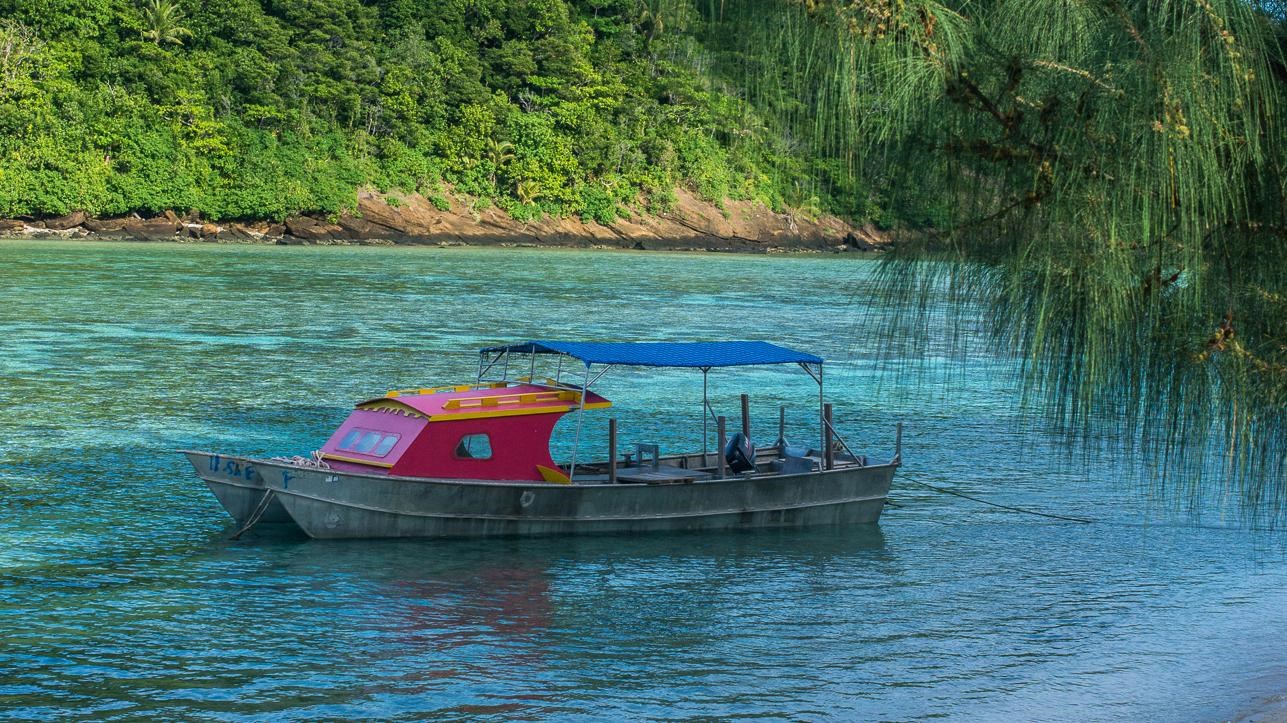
(121, 598)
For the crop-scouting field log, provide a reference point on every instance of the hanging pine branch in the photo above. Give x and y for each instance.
(1107, 180)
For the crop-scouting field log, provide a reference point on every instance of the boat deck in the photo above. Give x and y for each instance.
(689, 468)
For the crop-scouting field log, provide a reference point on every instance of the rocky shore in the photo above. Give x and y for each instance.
(386, 219)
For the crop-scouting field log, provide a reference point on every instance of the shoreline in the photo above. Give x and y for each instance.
(670, 246)
(378, 219)
(1271, 709)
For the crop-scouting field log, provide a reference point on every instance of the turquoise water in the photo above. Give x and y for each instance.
(120, 595)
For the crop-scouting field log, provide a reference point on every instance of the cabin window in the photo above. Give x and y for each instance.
(474, 446)
(350, 439)
(386, 444)
(365, 441)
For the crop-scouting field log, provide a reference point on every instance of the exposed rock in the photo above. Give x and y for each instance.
(413, 216)
(690, 224)
(106, 225)
(857, 243)
(160, 228)
(236, 232)
(62, 223)
(311, 229)
(359, 228)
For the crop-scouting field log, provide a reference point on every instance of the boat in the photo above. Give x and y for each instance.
(474, 460)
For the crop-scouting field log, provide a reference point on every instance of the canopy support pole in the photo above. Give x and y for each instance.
(828, 453)
(705, 405)
(723, 440)
(612, 451)
(580, 420)
(822, 415)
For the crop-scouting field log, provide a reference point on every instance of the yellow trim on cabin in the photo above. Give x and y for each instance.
(553, 475)
(493, 400)
(341, 458)
(390, 405)
(513, 412)
(440, 390)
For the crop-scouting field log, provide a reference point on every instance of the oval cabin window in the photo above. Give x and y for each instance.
(474, 446)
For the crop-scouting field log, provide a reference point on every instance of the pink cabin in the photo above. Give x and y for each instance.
(483, 432)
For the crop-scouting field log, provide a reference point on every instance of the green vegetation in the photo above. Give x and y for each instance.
(263, 108)
(1105, 179)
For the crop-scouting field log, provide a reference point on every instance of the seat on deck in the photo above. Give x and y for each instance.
(654, 472)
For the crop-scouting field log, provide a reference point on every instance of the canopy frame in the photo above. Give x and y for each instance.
(720, 354)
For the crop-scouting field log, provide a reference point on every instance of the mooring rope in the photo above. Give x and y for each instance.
(258, 512)
(945, 490)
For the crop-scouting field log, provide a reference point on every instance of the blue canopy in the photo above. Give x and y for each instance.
(667, 354)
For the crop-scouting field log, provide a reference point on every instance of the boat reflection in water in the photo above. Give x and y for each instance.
(429, 628)
(474, 460)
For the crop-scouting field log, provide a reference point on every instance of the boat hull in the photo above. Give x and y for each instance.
(330, 504)
(236, 483)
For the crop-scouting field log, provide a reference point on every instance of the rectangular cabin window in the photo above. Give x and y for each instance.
(369, 442)
(350, 439)
(386, 445)
(474, 446)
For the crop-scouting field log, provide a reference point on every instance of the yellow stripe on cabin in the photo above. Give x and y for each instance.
(553, 475)
(488, 414)
(341, 458)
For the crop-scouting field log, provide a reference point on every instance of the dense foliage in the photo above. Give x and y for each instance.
(261, 108)
(1105, 177)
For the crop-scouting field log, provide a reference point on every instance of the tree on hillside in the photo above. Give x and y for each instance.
(19, 55)
(1107, 180)
(527, 192)
(162, 22)
(499, 154)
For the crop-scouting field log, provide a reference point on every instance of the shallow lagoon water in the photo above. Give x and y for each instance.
(120, 595)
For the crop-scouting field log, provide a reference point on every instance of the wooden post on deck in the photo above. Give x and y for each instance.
(723, 440)
(746, 416)
(828, 453)
(782, 430)
(612, 451)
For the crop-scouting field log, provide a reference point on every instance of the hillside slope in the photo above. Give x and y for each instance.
(265, 109)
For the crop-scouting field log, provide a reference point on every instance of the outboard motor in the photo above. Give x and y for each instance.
(740, 453)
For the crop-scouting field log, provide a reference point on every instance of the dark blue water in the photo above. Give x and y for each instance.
(120, 596)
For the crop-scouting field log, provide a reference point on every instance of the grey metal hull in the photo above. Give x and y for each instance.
(330, 504)
(236, 483)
